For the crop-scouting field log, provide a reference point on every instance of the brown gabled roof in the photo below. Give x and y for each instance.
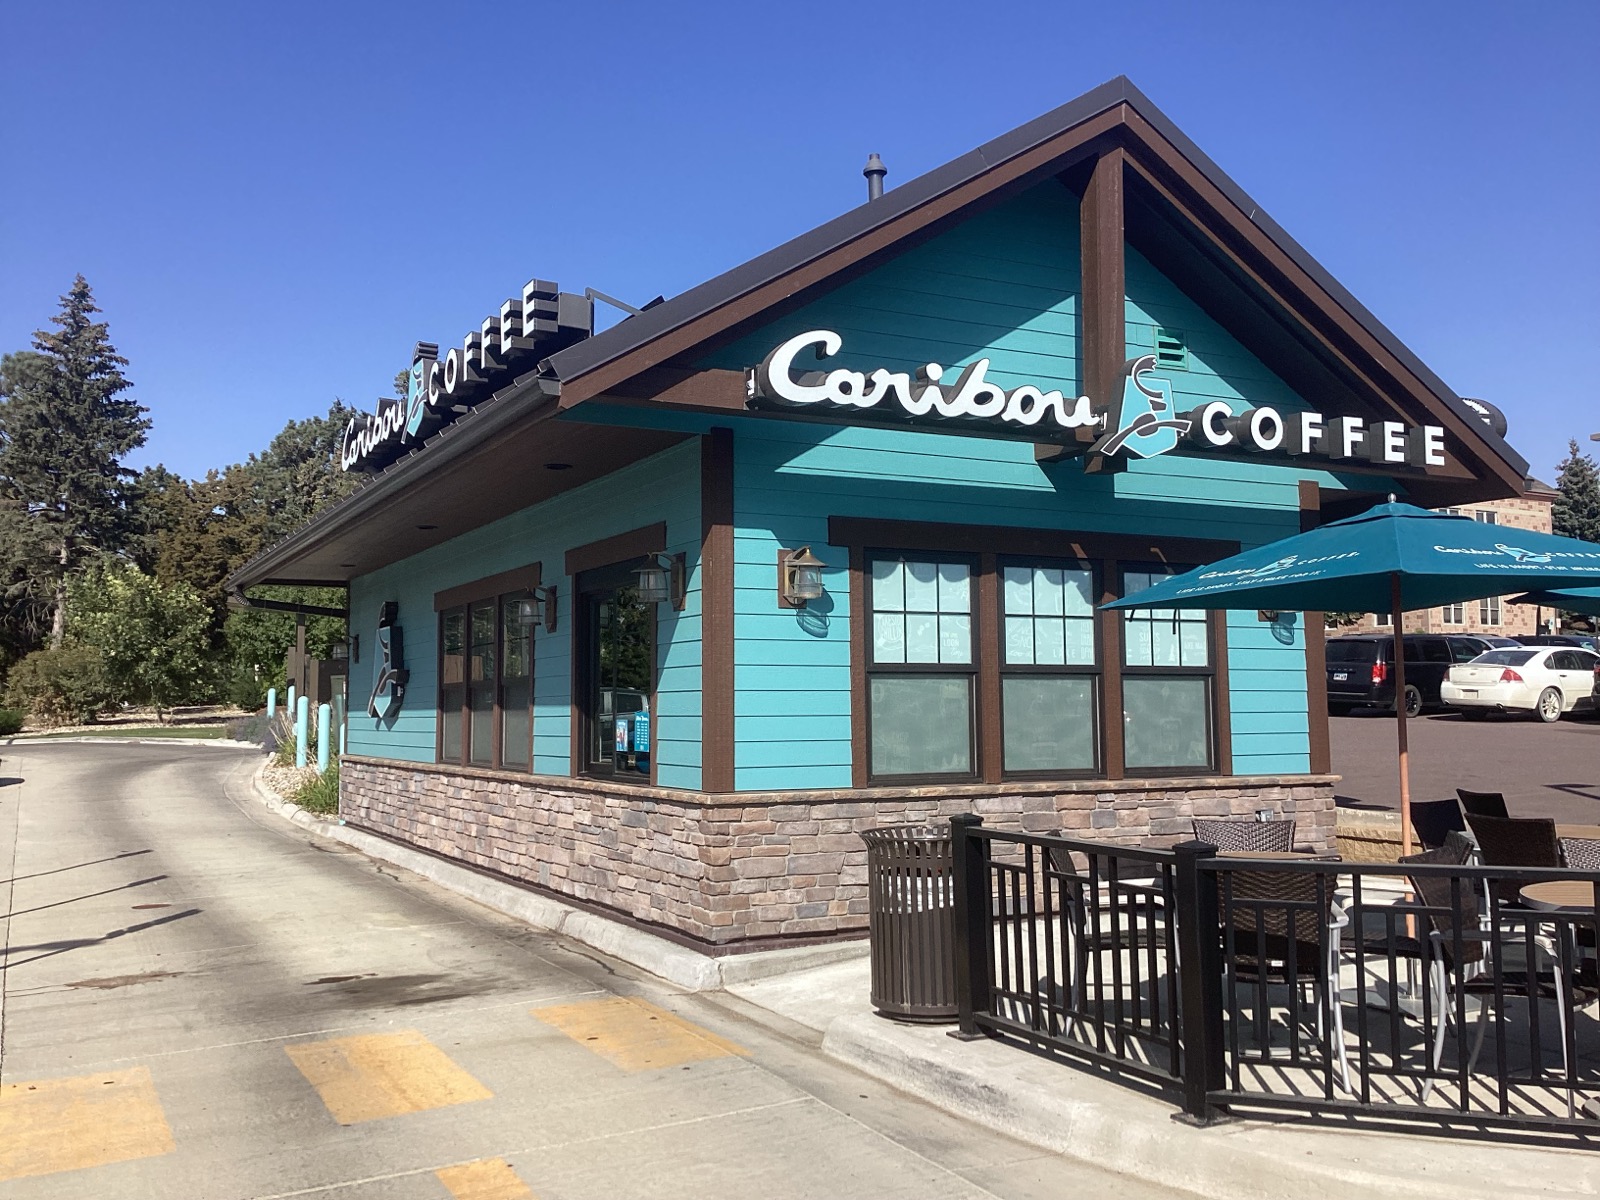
(1175, 172)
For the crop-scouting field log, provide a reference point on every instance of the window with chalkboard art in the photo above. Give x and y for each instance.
(922, 670)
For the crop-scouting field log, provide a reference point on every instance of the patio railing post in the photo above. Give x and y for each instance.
(973, 921)
(1199, 981)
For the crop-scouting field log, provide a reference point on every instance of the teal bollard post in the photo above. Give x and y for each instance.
(343, 740)
(302, 721)
(291, 701)
(324, 735)
(272, 703)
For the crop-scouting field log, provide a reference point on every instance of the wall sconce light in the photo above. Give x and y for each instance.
(538, 609)
(341, 651)
(661, 578)
(799, 577)
(355, 647)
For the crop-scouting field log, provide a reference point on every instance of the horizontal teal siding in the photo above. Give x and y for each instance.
(1004, 286)
(665, 487)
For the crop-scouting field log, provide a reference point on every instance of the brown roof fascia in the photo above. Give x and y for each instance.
(1032, 166)
(1260, 255)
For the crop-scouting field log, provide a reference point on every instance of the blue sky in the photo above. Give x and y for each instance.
(273, 202)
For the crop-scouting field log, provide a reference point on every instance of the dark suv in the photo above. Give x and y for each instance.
(1582, 641)
(1361, 668)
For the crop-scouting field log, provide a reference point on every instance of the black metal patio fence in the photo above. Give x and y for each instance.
(1421, 991)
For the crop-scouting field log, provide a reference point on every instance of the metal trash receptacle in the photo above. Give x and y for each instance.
(911, 914)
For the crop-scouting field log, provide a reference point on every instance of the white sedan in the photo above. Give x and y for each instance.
(1545, 680)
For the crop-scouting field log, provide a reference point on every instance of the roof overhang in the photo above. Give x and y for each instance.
(489, 464)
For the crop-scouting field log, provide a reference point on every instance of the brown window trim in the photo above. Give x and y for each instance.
(495, 590)
(1107, 554)
(1019, 542)
(519, 579)
(583, 632)
(619, 548)
(976, 669)
(1095, 672)
(1218, 725)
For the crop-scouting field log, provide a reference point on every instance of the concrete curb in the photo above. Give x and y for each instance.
(89, 739)
(1070, 1111)
(680, 965)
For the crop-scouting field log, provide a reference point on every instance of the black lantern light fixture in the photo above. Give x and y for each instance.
(799, 577)
(660, 578)
(538, 609)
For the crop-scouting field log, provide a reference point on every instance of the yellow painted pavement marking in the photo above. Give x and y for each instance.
(371, 1076)
(486, 1179)
(635, 1034)
(66, 1124)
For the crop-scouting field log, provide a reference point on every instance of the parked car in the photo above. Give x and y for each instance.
(1361, 668)
(1583, 641)
(1546, 681)
(1497, 642)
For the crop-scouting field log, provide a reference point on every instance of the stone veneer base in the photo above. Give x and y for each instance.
(758, 867)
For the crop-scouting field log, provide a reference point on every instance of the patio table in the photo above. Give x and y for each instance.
(1563, 895)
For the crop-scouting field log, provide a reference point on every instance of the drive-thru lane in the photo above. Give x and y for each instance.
(201, 1000)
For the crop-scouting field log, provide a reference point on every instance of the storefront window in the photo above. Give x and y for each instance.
(922, 668)
(452, 679)
(1166, 684)
(1050, 677)
(486, 684)
(618, 673)
(516, 687)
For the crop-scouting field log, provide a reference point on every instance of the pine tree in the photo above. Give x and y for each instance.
(65, 427)
(1576, 511)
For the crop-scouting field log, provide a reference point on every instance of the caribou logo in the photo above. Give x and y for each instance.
(1521, 555)
(1143, 421)
(389, 687)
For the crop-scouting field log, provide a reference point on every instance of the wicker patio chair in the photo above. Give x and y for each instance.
(1287, 929)
(1514, 842)
(1433, 821)
(1248, 836)
(1483, 804)
(1454, 918)
(1581, 854)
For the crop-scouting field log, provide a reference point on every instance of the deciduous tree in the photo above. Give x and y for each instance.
(152, 636)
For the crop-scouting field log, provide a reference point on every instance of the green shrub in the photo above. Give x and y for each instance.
(320, 794)
(247, 691)
(11, 721)
(61, 687)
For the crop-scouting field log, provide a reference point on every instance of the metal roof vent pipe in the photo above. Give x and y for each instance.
(874, 171)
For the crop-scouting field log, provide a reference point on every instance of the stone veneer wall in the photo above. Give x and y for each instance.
(727, 869)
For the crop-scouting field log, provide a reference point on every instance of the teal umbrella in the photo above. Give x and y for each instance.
(1578, 600)
(1392, 558)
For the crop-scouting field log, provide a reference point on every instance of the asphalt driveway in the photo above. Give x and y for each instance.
(200, 1000)
(1544, 770)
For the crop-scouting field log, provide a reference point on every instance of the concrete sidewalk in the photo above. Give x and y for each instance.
(820, 995)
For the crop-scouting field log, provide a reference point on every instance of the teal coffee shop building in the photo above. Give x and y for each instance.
(658, 619)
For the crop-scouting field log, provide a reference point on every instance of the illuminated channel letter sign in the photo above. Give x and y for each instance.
(1142, 423)
(389, 684)
(526, 329)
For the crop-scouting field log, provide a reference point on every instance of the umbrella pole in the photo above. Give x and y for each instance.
(1396, 616)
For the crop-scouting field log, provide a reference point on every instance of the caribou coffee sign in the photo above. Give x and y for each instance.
(1141, 423)
(507, 344)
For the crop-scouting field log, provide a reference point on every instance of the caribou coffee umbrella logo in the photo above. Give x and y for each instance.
(389, 687)
(1521, 555)
(1144, 421)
